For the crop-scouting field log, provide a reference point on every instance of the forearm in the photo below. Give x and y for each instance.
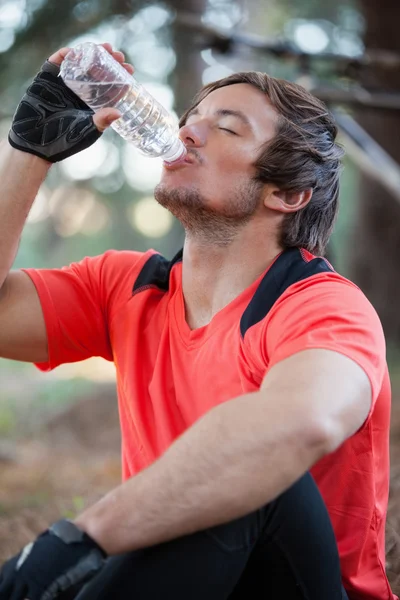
(235, 459)
(21, 175)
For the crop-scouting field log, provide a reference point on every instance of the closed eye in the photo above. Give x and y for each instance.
(228, 130)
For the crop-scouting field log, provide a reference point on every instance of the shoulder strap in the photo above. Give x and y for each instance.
(289, 268)
(155, 272)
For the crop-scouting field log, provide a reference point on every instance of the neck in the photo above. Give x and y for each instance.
(214, 275)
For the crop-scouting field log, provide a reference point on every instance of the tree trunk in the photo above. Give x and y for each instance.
(377, 246)
(186, 78)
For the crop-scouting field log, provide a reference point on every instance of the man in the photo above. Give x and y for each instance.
(242, 364)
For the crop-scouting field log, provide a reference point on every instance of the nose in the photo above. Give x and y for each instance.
(193, 135)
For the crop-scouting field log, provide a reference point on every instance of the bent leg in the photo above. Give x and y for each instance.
(193, 567)
(285, 550)
(296, 556)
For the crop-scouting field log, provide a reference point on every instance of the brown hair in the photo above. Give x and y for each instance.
(302, 155)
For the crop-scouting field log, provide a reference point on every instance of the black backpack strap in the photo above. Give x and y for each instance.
(155, 273)
(289, 268)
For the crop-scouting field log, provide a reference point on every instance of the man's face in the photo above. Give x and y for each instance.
(224, 136)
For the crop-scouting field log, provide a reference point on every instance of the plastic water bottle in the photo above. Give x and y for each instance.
(100, 81)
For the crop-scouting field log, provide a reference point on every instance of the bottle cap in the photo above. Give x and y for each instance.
(176, 152)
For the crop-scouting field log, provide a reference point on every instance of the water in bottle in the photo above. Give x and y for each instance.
(100, 81)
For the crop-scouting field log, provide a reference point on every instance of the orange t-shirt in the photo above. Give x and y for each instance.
(168, 375)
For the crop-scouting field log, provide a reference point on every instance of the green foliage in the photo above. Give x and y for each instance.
(27, 398)
(36, 499)
(7, 420)
(78, 504)
(341, 240)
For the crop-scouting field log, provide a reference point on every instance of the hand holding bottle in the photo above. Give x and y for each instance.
(100, 81)
(51, 121)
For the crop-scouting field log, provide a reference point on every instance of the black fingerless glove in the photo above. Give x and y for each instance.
(51, 121)
(60, 561)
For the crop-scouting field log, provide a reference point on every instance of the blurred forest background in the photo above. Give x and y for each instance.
(59, 438)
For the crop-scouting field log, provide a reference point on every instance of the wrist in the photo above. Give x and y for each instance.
(27, 159)
(70, 532)
(92, 528)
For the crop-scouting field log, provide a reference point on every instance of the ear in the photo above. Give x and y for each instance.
(287, 201)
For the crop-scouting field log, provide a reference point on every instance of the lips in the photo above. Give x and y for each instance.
(176, 164)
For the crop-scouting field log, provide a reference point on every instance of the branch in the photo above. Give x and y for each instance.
(359, 97)
(224, 41)
(52, 26)
(369, 156)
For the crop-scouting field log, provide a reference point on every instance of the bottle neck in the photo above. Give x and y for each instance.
(176, 151)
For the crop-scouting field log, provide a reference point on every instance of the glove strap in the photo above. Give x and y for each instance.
(69, 533)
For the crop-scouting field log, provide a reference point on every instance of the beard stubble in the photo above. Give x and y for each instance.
(202, 221)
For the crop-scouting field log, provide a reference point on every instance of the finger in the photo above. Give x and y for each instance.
(119, 56)
(59, 56)
(108, 47)
(6, 587)
(20, 592)
(130, 68)
(104, 117)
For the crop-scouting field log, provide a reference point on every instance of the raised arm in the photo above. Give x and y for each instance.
(24, 162)
(22, 329)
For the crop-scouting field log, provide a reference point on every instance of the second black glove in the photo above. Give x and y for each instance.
(62, 559)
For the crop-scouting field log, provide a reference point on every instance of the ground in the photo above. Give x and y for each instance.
(76, 459)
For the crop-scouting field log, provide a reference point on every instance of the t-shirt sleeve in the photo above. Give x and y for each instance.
(330, 313)
(80, 301)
